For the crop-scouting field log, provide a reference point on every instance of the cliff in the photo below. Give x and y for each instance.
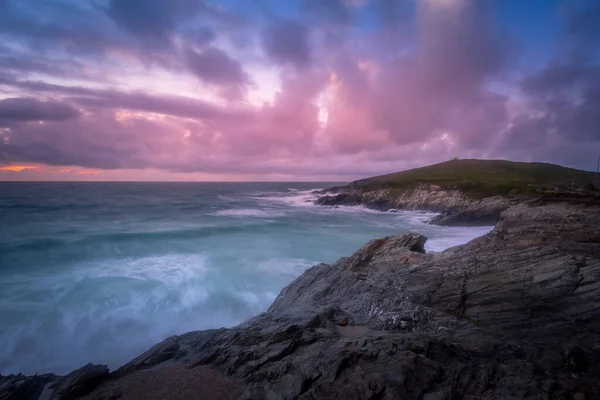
(512, 314)
(466, 192)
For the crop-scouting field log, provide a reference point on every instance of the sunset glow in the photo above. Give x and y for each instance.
(303, 90)
(18, 168)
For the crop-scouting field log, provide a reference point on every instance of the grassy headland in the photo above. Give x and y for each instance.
(483, 178)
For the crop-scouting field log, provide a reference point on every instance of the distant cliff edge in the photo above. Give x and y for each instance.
(467, 192)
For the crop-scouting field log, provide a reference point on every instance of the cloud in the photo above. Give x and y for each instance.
(583, 24)
(153, 21)
(393, 13)
(438, 87)
(40, 86)
(189, 136)
(23, 65)
(54, 26)
(18, 168)
(28, 109)
(287, 42)
(341, 87)
(214, 66)
(561, 118)
(177, 106)
(201, 36)
(336, 11)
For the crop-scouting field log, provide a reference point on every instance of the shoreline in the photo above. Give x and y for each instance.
(454, 207)
(390, 294)
(405, 221)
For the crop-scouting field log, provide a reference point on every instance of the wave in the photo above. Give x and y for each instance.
(250, 212)
(299, 198)
(104, 289)
(42, 244)
(168, 269)
(416, 217)
(357, 210)
(287, 268)
(229, 199)
(46, 207)
(108, 311)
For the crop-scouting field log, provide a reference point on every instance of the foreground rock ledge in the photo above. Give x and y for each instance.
(512, 314)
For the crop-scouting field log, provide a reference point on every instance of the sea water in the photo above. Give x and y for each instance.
(99, 272)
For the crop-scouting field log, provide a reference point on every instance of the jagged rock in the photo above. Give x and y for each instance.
(80, 382)
(513, 314)
(18, 387)
(52, 387)
(455, 208)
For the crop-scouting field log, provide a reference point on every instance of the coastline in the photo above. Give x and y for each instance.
(485, 306)
(453, 206)
(187, 296)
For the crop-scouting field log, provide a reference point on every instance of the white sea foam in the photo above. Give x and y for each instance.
(453, 236)
(415, 218)
(354, 210)
(109, 311)
(251, 212)
(169, 269)
(256, 302)
(229, 199)
(108, 299)
(288, 268)
(299, 198)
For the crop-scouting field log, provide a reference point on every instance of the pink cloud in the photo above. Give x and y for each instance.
(348, 104)
(88, 172)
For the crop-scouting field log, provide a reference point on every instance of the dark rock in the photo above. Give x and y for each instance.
(20, 387)
(80, 382)
(487, 320)
(455, 208)
(468, 218)
(345, 199)
(434, 396)
(577, 360)
(512, 314)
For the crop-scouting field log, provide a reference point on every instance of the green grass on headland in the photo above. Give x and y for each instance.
(483, 178)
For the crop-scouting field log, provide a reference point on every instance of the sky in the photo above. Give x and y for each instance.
(294, 90)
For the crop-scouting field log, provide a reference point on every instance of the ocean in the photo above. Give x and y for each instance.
(99, 272)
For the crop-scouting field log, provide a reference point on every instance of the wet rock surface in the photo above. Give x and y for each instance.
(512, 314)
(50, 386)
(454, 207)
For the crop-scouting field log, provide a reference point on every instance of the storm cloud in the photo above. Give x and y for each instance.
(344, 88)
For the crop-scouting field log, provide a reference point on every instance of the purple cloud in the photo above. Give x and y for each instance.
(28, 109)
(153, 21)
(287, 42)
(347, 87)
(336, 11)
(214, 66)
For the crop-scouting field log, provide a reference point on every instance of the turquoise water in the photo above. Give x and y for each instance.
(99, 272)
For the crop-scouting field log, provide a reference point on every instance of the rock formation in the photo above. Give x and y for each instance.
(512, 314)
(455, 208)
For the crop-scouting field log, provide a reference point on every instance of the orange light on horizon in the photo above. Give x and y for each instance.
(18, 168)
(88, 172)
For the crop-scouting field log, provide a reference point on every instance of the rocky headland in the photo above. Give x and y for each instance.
(453, 206)
(513, 314)
(467, 192)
